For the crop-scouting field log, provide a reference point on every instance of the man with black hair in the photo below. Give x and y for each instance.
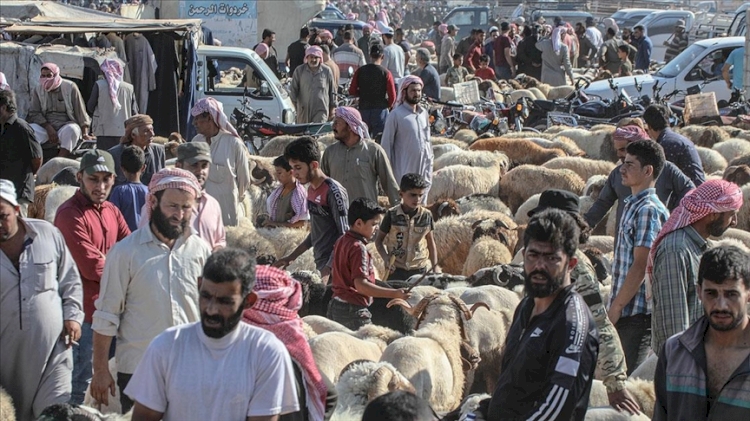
(364, 42)
(608, 57)
(644, 47)
(677, 148)
(217, 368)
(393, 55)
(466, 42)
(404, 44)
(399, 405)
(327, 203)
(642, 219)
(471, 59)
(373, 84)
(553, 334)
(447, 48)
(295, 53)
(347, 55)
(703, 372)
(271, 59)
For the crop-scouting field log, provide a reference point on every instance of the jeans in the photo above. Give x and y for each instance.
(503, 72)
(403, 274)
(122, 382)
(635, 336)
(349, 315)
(375, 120)
(82, 355)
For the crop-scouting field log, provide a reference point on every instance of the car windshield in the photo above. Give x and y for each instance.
(681, 62)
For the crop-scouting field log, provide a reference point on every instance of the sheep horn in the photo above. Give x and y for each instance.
(501, 224)
(462, 306)
(401, 302)
(477, 305)
(254, 180)
(441, 208)
(498, 281)
(381, 383)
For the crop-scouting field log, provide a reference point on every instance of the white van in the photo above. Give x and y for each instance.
(264, 90)
(660, 27)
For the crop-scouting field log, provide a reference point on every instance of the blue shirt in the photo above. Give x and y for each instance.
(130, 198)
(643, 55)
(431, 80)
(642, 220)
(682, 152)
(737, 59)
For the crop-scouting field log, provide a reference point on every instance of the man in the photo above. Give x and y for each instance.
(736, 63)
(644, 46)
(608, 58)
(355, 161)
(555, 58)
(149, 282)
(593, 33)
(207, 217)
(393, 55)
(707, 211)
(626, 66)
(22, 154)
(553, 333)
(471, 59)
(376, 92)
(586, 48)
(436, 36)
(271, 59)
(328, 62)
(295, 53)
(279, 301)
(58, 112)
(671, 185)
(364, 41)
(678, 43)
(40, 309)
(406, 137)
(139, 131)
(448, 48)
(111, 103)
(217, 368)
(642, 219)
(677, 148)
(348, 55)
(489, 45)
(230, 176)
(505, 67)
(313, 90)
(627, 39)
(326, 38)
(703, 372)
(428, 73)
(466, 42)
(90, 226)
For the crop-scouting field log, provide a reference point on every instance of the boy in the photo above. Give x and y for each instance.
(485, 72)
(326, 203)
(457, 73)
(407, 232)
(626, 68)
(130, 196)
(353, 272)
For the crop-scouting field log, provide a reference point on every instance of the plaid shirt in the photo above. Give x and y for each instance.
(642, 219)
(675, 297)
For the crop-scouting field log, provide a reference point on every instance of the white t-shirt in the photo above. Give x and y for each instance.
(189, 376)
(593, 34)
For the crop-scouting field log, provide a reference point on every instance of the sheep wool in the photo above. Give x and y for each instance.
(585, 168)
(48, 170)
(362, 382)
(732, 148)
(485, 252)
(472, 159)
(7, 411)
(522, 217)
(743, 215)
(589, 141)
(519, 151)
(706, 136)
(55, 198)
(524, 181)
(559, 142)
(711, 159)
(457, 181)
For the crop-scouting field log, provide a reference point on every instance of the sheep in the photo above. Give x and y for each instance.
(517, 94)
(440, 150)
(642, 391)
(439, 281)
(612, 414)
(567, 145)
(244, 236)
(526, 135)
(53, 166)
(466, 135)
(436, 358)
(603, 243)
(332, 351)
(461, 180)
(732, 148)
(275, 147)
(743, 215)
(320, 325)
(537, 93)
(732, 242)
(473, 159)
(522, 214)
(559, 92)
(589, 141)
(114, 401)
(737, 234)
(711, 160)
(67, 411)
(443, 207)
(487, 202)
(486, 250)
(486, 331)
(509, 277)
(66, 177)
(524, 181)
(740, 160)
(585, 168)
(519, 151)
(55, 198)
(553, 130)
(706, 136)
(594, 186)
(496, 297)
(363, 381)
(438, 140)
(738, 174)
(7, 410)
(36, 208)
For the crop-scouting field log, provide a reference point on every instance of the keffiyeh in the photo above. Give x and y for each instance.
(630, 134)
(404, 85)
(170, 178)
(353, 119)
(112, 70)
(50, 84)
(216, 110)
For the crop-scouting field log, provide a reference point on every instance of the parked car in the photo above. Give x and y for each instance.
(701, 61)
(627, 18)
(467, 18)
(331, 12)
(660, 27)
(570, 16)
(333, 25)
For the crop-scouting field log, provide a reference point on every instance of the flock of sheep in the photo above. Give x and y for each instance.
(446, 341)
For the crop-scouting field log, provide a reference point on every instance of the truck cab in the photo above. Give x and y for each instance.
(468, 17)
(660, 27)
(229, 73)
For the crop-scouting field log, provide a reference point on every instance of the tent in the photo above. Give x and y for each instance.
(25, 10)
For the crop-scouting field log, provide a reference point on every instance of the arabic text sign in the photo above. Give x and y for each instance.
(234, 23)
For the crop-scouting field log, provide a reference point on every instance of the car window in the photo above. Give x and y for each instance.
(483, 18)
(661, 26)
(462, 18)
(681, 62)
(710, 66)
(230, 76)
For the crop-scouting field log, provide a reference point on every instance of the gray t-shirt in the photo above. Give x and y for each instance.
(328, 219)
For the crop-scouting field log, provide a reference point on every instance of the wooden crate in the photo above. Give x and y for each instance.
(700, 106)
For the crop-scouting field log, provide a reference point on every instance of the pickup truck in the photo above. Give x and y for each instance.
(468, 17)
(701, 61)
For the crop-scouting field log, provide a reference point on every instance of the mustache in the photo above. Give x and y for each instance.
(721, 313)
(542, 273)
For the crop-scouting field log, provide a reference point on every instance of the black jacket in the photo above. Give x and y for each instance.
(549, 362)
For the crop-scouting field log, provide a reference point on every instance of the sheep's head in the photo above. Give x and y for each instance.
(738, 174)
(494, 230)
(259, 176)
(506, 276)
(443, 207)
(438, 280)
(598, 261)
(440, 302)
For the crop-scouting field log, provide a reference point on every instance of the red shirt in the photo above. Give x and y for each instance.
(90, 233)
(471, 61)
(351, 260)
(485, 74)
(501, 43)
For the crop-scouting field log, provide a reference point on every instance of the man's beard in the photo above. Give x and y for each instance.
(413, 101)
(161, 222)
(717, 228)
(736, 320)
(226, 325)
(542, 291)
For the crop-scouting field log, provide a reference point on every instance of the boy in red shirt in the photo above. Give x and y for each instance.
(353, 272)
(484, 71)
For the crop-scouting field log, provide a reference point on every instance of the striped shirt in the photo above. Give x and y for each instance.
(642, 219)
(348, 55)
(328, 206)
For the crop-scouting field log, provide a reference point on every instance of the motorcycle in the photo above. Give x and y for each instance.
(540, 108)
(603, 111)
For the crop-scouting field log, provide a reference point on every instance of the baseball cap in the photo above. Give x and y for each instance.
(8, 192)
(193, 152)
(97, 161)
(589, 19)
(557, 199)
(680, 24)
(493, 29)
(388, 31)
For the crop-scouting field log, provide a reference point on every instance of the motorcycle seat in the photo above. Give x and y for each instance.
(546, 105)
(300, 128)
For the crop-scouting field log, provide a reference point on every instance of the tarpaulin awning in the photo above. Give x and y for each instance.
(43, 25)
(24, 10)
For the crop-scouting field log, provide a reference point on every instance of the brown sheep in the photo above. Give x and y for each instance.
(524, 181)
(742, 160)
(36, 208)
(443, 207)
(739, 174)
(519, 151)
(585, 168)
(706, 136)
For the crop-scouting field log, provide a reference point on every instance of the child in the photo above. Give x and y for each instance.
(405, 240)
(130, 196)
(626, 68)
(287, 204)
(353, 272)
(485, 72)
(457, 73)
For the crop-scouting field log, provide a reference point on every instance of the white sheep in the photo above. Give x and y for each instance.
(440, 150)
(560, 142)
(522, 213)
(518, 150)
(435, 359)
(524, 181)
(585, 168)
(737, 234)
(472, 159)
(320, 325)
(732, 148)
(439, 140)
(642, 391)
(7, 410)
(467, 204)
(485, 252)
(53, 166)
(559, 92)
(711, 160)
(706, 136)
(589, 141)
(611, 414)
(537, 93)
(462, 180)
(55, 198)
(594, 186)
(517, 94)
(743, 215)
(466, 135)
(647, 369)
(604, 243)
(362, 382)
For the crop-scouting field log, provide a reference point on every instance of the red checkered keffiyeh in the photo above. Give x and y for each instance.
(406, 81)
(216, 110)
(279, 299)
(353, 119)
(630, 134)
(170, 178)
(713, 196)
